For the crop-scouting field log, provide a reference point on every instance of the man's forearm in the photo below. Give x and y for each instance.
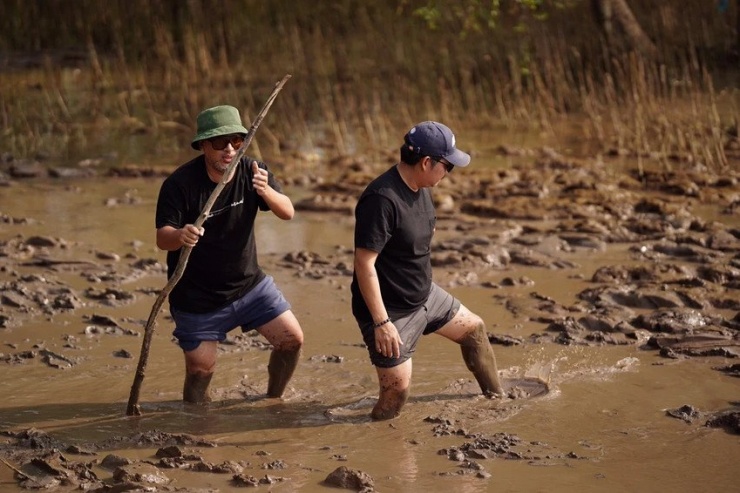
(367, 279)
(168, 238)
(279, 204)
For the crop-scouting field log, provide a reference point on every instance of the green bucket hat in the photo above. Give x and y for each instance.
(219, 120)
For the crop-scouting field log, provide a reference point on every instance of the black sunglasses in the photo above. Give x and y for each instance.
(448, 166)
(220, 143)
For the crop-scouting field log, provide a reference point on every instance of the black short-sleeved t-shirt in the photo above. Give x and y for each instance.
(398, 224)
(223, 265)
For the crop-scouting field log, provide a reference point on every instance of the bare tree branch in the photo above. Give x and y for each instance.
(618, 12)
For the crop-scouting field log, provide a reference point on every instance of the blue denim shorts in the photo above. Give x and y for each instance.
(440, 308)
(260, 305)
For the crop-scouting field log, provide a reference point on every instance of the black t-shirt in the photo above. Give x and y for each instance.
(398, 223)
(223, 266)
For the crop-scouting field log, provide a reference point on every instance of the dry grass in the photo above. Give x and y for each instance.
(361, 74)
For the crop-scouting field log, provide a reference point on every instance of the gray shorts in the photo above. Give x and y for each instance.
(440, 308)
(261, 304)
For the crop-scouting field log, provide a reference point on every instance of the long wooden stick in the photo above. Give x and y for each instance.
(19, 472)
(133, 408)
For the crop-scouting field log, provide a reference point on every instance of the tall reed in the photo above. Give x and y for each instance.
(362, 73)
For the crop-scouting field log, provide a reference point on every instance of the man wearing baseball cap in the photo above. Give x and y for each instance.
(394, 299)
(223, 286)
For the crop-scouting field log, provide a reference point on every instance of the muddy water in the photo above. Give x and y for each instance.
(602, 427)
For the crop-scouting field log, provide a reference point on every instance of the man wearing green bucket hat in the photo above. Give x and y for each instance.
(223, 286)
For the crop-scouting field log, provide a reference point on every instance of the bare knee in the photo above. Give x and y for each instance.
(294, 340)
(200, 361)
(475, 323)
(475, 333)
(462, 326)
(284, 333)
(200, 373)
(291, 342)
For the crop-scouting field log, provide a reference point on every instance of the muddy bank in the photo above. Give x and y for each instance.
(679, 294)
(676, 296)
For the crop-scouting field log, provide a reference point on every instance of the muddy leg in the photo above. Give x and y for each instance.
(394, 391)
(286, 337)
(479, 358)
(280, 370)
(389, 405)
(200, 364)
(195, 390)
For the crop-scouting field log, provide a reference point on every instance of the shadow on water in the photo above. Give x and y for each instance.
(93, 422)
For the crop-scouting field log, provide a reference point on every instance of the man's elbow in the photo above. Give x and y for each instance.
(361, 266)
(163, 241)
(286, 214)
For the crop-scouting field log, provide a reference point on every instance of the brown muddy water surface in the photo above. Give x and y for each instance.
(526, 267)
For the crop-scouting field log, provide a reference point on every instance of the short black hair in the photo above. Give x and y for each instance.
(408, 156)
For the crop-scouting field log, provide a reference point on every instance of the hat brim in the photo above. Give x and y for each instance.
(458, 158)
(223, 130)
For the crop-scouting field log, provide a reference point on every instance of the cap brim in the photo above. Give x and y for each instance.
(458, 158)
